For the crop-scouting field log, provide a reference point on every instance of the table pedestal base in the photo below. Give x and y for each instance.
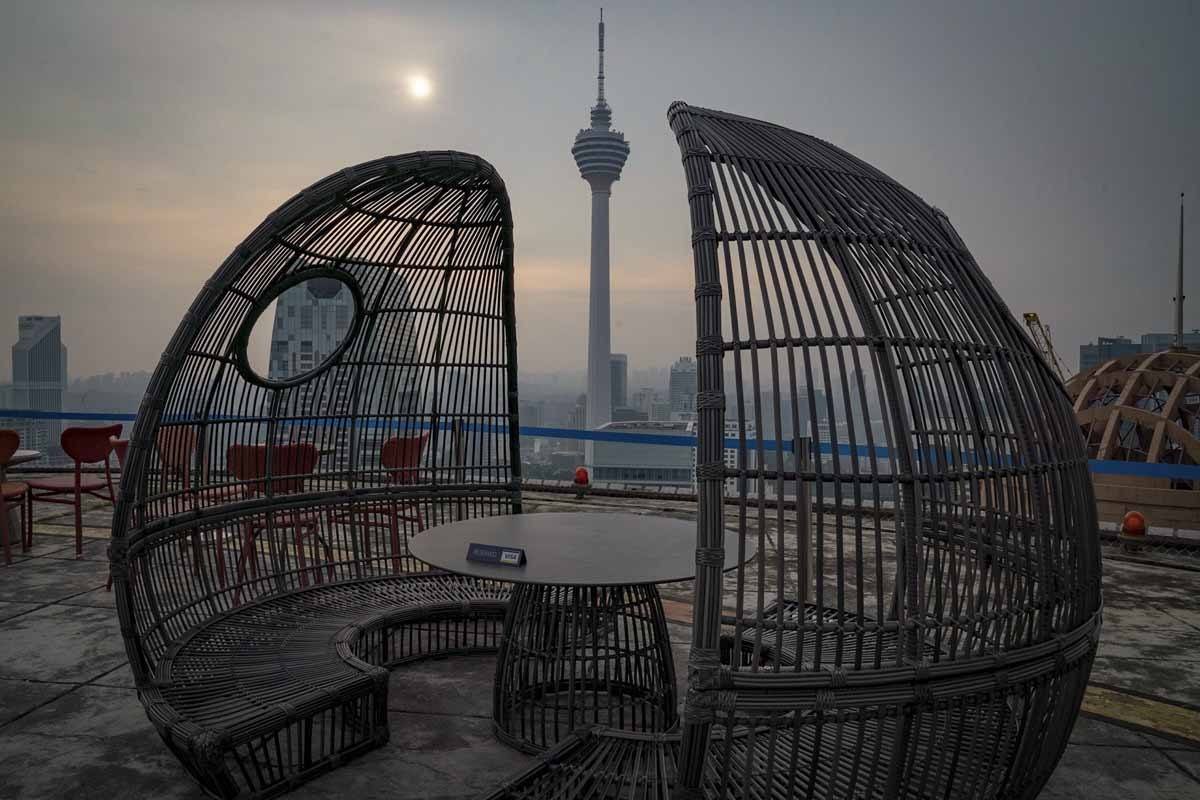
(575, 656)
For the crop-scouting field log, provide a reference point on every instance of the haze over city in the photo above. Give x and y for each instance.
(142, 141)
(540, 401)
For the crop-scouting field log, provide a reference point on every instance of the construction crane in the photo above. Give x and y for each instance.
(1041, 339)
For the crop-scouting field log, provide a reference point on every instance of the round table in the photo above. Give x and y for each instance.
(585, 638)
(18, 457)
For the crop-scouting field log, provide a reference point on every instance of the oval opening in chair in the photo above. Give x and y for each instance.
(299, 328)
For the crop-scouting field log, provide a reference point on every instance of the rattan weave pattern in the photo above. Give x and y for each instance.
(258, 613)
(943, 654)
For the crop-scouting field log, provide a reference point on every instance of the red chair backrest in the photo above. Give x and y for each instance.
(176, 445)
(290, 464)
(10, 442)
(401, 456)
(89, 445)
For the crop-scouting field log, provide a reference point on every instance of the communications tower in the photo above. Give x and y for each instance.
(600, 153)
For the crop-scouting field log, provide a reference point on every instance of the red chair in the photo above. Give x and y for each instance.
(401, 457)
(10, 442)
(290, 466)
(83, 446)
(176, 447)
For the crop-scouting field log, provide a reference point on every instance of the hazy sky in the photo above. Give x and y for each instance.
(140, 142)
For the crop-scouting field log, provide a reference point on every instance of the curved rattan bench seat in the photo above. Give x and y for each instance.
(830, 637)
(344, 381)
(834, 740)
(244, 693)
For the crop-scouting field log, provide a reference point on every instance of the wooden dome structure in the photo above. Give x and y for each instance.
(1143, 408)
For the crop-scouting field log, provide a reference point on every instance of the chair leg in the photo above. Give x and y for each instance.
(112, 494)
(331, 520)
(219, 541)
(298, 541)
(394, 524)
(329, 556)
(197, 553)
(27, 539)
(249, 532)
(78, 521)
(78, 525)
(247, 552)
(318, 575)
(4, 530)
(367, 523)
(319, 544)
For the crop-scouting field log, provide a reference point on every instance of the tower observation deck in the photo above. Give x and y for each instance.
(600, 154)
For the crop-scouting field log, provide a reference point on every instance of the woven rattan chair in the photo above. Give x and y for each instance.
(262, 676)
(923, 609)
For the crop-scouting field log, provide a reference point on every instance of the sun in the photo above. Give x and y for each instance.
(419, 86)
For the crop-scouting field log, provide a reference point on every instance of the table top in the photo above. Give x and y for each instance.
(574, 549)
(22, 456)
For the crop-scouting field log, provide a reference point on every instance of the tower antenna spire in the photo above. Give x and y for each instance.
(1179, 283)
(600, 153)
(600, 74)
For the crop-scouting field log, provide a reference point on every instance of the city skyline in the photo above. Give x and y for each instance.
(132, 171)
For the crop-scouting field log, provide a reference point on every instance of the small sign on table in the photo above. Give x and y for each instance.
(494, 554)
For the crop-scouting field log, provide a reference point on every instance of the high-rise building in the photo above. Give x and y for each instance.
(626, 414)
(533, 415)
(39, 378)
(638, 465)
(682, 389)
(1157, 342)
(646, 464)
(311, 320)
(1106, 347)
(600, 154)
(619, 379)
(643, 399)
(578, 421)
(1109, 347)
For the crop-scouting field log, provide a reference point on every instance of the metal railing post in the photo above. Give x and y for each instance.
(458, 461)
(804, 518)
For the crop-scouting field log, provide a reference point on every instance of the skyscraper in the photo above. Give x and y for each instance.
(619, 379)
(39, 374)
(682, 389)
(311, 320)
(600, 154)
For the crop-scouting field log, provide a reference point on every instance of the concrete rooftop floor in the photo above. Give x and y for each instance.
(71, 724)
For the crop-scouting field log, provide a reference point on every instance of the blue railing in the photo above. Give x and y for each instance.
(1185, 472)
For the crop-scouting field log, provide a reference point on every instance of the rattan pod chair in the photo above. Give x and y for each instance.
(923, 609)
(259, 677)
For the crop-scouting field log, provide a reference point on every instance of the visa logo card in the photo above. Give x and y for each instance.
(493, 554)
